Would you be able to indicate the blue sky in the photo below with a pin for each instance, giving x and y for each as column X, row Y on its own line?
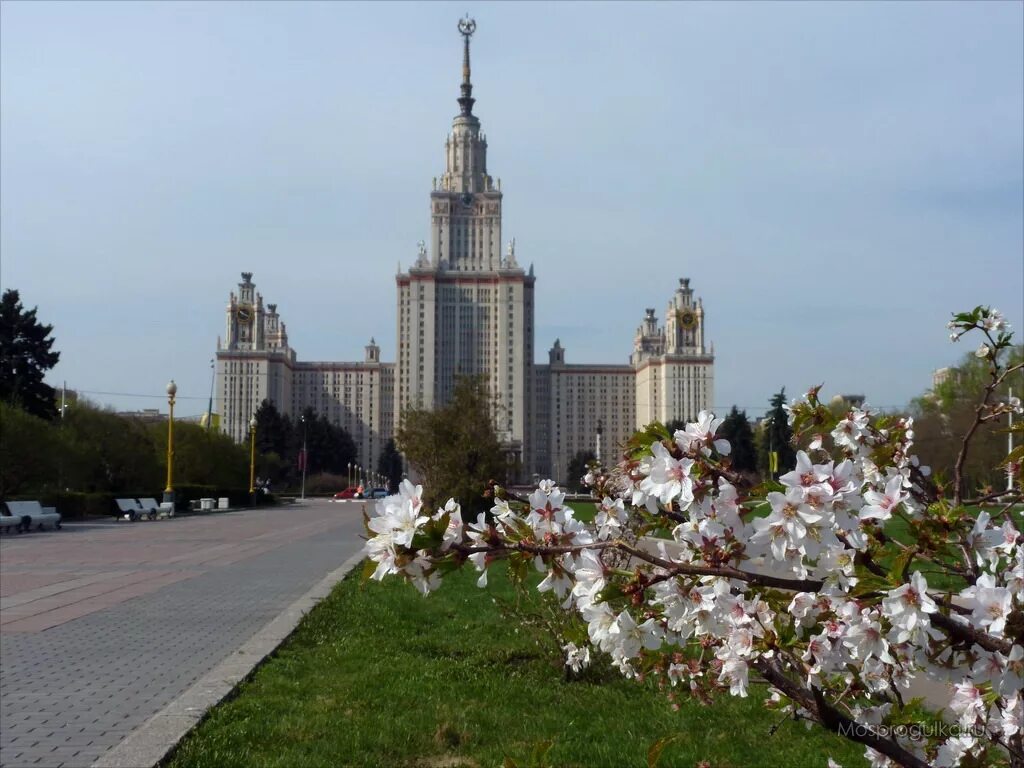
column 835, row 178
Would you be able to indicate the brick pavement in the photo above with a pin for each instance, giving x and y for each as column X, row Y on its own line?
column 102, row 625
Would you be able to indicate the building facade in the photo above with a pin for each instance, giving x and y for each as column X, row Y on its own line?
column 465, row 307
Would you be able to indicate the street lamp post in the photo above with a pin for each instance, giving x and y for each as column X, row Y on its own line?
column 209, row 409
column 252, row 458
column 305, row 458
column 63, row 413
column 349, row 473
column 172, row 390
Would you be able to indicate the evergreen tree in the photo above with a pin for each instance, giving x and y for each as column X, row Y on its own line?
column 775, row 437
column 25, row 356
column 675, row 424
column 389, row 465
column 329, row 448
column 273, row 431
column 736, row 429
column 577, row 469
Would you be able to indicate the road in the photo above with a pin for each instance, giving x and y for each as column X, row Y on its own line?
column 103, row 624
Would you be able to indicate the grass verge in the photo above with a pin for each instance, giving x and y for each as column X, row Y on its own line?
column 377, row 675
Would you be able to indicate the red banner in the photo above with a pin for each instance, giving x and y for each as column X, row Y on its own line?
column 302, row 460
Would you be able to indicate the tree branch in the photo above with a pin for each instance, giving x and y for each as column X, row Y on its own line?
column 967, row 632
column 678, row 569
column 831, row 718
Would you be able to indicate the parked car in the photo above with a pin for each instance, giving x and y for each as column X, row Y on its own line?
column 378, row 493
column 349, row 493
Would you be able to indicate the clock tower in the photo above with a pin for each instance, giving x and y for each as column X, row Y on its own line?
column 253, row 359
column 675, row 372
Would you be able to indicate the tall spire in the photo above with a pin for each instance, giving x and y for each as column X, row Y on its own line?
column 466, row 27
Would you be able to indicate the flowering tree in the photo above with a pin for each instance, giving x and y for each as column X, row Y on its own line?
column 850, row 580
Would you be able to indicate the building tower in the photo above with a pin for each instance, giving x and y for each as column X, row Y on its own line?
column 674, row 368
column 254, row 361
column 463, row 307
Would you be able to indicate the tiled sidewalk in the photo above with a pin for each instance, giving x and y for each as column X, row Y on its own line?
column 102, row 625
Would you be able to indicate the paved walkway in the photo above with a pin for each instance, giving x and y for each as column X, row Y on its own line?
column 102, row 625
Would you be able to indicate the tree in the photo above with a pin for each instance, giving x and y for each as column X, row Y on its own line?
column 389, row 465
column 675, row 424
column 25, row 356
column 329, row 448
column 577, row 469
column 273, row 430
column 455, row 449
column 30, row 450
column 775, row 437
column 736, row 429
column 858, row 581
column 110, row 453
column 274, row 441
column 950, row 407
column 202, row 457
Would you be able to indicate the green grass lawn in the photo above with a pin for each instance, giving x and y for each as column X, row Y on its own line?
column 380, row 676
column 585, row 510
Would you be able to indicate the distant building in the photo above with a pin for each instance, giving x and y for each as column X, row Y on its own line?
column 148, row 415
column 853, row 401
column 465, row 308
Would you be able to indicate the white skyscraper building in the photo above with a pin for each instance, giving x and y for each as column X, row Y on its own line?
column 466, row 307
column 463, row 307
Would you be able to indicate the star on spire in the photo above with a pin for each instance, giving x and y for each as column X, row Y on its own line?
column 466, row 28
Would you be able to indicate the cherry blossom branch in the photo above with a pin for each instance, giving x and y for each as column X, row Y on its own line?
column 992, row 497
column 997, row 379
column 674, row 568
column 831, row 718
column 951, row 626
column 967, row 632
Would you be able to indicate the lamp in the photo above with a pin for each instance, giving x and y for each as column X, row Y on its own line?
column 172, row 390
column 252, row 456
column 305, row 457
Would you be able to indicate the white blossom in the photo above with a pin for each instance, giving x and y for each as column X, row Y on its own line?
column 576, row 659
column 669, row 479
column 967, row 703
column 700, row 436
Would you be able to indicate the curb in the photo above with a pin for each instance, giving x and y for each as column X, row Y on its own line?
column 152, row 741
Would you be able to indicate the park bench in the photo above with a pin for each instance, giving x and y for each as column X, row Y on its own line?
column 9, row 521
column 149, row 506
column 160, row 509
column 33, row 514
column 131, row 509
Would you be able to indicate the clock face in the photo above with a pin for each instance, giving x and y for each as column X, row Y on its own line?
column 687, row 319
column 243, row 315
column 467, row 199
